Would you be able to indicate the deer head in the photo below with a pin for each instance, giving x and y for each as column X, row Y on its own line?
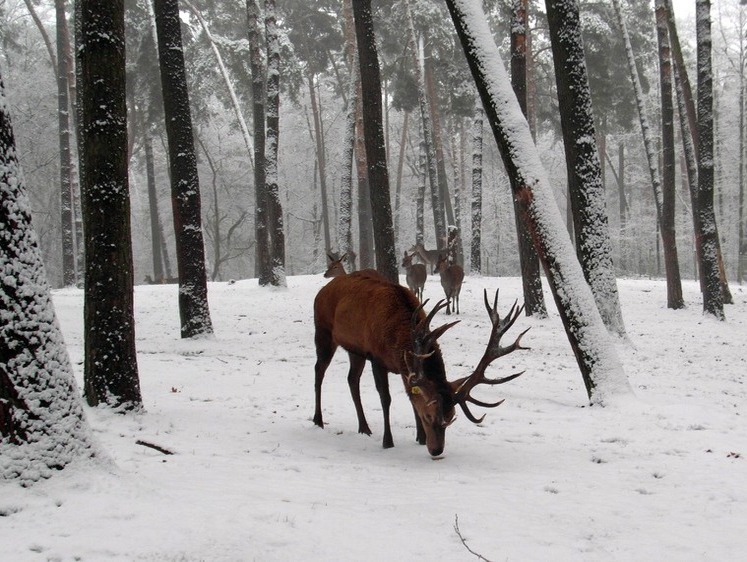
column 335, row 268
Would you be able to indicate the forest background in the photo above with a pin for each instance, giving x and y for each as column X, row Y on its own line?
column 314, row 80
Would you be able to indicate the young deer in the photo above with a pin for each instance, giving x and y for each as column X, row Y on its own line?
column 416, row 274
column 452, row 277
column 383, row 322
column 430, row 257
column 335, row 268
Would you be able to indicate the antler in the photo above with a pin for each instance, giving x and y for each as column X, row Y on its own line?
column 423, row 339
column 464, row 386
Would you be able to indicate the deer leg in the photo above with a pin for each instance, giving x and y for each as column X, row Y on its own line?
column 357, row 363
column 325, row 350
column 381, row 377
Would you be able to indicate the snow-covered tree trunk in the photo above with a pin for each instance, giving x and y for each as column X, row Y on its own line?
column 275, row 226
column 321, row 156
column 42, row 425
column 110, row 369
column 420, row 196
column 713, row 302
column 476, row 203
column 534, row 300
column 381, row 210
column 257, row 66
column 648, row 140
column 345, row 216
column 600, row 366
column 155, row 222
column 668, row 233
column 439, row 221
column 185, row 184
column 69, row 276
column 590, row 220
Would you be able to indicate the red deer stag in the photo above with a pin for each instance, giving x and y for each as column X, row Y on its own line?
column 452, row 277
column 374, row 319
column 415, row 274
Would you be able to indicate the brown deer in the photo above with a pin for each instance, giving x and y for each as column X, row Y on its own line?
column 452, row 277
column 335, row 267
column 383, row 322
column 415, row 274
column 430, row 257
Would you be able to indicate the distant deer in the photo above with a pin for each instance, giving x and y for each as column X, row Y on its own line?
column 415, row 274
column 335, row 268
column 452, row 277
column 430, row 257
column 374, row 319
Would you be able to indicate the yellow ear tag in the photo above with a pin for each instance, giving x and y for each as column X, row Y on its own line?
column 415, row 390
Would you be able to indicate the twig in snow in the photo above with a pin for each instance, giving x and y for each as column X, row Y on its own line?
column 152, row 446
column 464, row 541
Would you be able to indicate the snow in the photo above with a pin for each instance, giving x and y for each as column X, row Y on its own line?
column 659, row 475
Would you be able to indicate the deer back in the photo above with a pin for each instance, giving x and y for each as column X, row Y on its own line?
column 452, row 276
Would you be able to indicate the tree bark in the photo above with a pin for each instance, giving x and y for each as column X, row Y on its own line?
column 668, row 233
column 275, row 226
column 534, row 300
column 593, row 245
column 592, row 346
column 110, row 360
column 185, row 186
column 713, row 300
column 476, row 205
column 42, row 425
column 386, row 262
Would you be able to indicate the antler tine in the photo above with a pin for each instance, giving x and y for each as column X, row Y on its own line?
column 463, row 387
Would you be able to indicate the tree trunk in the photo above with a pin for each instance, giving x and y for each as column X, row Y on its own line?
column 534, row 300
column 320, row 158
column 593, row 245
column 713, row 301
column 185, row 186
column 63, row 120
column 476, row 206
column 597, row 359
column 257, row 64
column 42, row 425
column 155, row 223
column 439, row 223
column 275, row 227
column 668, row 234
column 400, row 172
column 345, row 218
column 110, row 360
column 386, row 261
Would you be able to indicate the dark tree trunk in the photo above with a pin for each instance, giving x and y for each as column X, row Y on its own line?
column 668, row 234
column 713, row 301
column 262, row 265
column 420, row 196
column 593, row 245
column 476, row 206
column 155, row 222
column 185, row 186
column 400, row 172
column 600, row 368
column 321, row 158
column 110, row 364
column 386, row 262
column 534, row 300
column 42, row 426
column 63, row 117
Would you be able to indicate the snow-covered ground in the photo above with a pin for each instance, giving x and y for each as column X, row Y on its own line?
column 545, row 477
